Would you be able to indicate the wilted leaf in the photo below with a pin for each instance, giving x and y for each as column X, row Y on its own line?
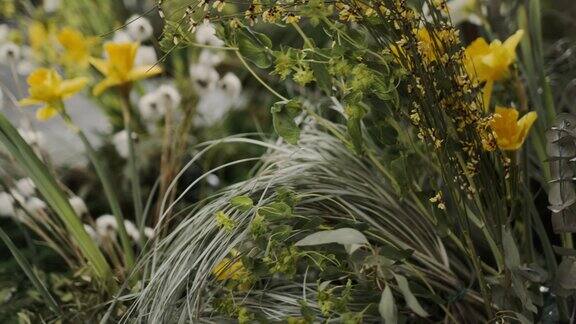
column 349, row 237
column 409, row 297
column 511, row 254
column 387, row 307
column 566, row 276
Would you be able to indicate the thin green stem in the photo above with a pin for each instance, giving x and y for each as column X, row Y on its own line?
column 111, row 196
column 258, row 78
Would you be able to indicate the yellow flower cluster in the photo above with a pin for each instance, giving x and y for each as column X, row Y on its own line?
column 490, row 63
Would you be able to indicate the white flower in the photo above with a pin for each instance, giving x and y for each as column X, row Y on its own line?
column 155, row 104
column 106, row 226
column 132, row 230
column 26, row 187
column 51, row 6
column 210, row 58
column 121, row 36
column 91, row 232
column 206, row 35
column 169, row 96
column 212, row 107
column 213, row 180
column 231, row 85
column 151, row 106
column 139, row 28
column 6, row 205
column 120, row 141
column 78, row 205
column 149, row 232
column 26, row 64
column 146, row 55
column 10, row 53
column 35, row 205
column 33, row 138
column 4, row 33
column 460, row 11
column 204, row 78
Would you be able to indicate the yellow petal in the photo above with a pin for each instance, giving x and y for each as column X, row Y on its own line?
column 70, row 87
column 143, row 72
column 100, row 65
column 121, row 57
column 524, row 125
column 38, row 76
column 46, row 113
column 29, row 102
column 512, row 42
column 103, row 85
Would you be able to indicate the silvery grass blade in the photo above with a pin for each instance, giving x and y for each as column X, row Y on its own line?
column 29, row 271
column 52, row 193
column 334, row 184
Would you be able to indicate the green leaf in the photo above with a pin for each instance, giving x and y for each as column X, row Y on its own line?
column 283, row 115
column 409, row 297
column 275, row 210
column 254, row 52
column 387, row 307
column 355, row 113
column 243, row 203
column 323, row 78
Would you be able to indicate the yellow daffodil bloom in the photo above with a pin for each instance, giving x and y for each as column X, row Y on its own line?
column 229, row 269
column 77, row 47
column 47, row 87
column 510, row 132
column 491, row 62
column 119, row 67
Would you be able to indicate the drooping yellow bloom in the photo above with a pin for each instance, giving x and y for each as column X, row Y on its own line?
column 510, row 132
column 77, row 47
column 119, row 67
column 229, row 269
column 47, row 87
column 491, row 62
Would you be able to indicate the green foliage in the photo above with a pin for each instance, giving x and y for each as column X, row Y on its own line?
column 283, row 114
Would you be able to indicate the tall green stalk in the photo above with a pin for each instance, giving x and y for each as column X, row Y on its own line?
column 56, row 199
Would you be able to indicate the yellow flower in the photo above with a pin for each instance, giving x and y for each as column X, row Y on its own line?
column 47, row 87
column 510, row 132
column 491, row 62
column 77, row 47
column 41, row 39
column 228, row 269
column 119, row 67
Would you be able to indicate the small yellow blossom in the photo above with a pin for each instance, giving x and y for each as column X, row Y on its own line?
column 77, row 47
column 42, row 38
column 510, row 132
column 119, row 67
column 491, row 62
column 229, row 269
column 47, row 87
